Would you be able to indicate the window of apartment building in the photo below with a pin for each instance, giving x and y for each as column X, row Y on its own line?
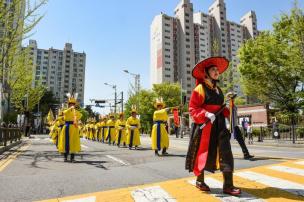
column 223, row 29
column 188, row 78
column 187, row 33
column 187, row 46
column 187, row 21
column 187, row 59
column 188, row 72
column 188, row 40
column 188, row 52
column 167, row 56
column 167, row 43
column 167, row 31
column 187, row 27
column 189, row 85
column 167, row 76
column 167, row 69
column 188, row 65
column 167, row 37
column 203, row 51
column 167, row 63
column 187, row 14
column 166, row 49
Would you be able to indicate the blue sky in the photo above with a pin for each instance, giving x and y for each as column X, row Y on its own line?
column 115, row 34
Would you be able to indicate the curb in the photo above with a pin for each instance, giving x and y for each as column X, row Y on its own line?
column 6, row 148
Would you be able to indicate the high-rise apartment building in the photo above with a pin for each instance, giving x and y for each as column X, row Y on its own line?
column 179, row 42
column 60, row 70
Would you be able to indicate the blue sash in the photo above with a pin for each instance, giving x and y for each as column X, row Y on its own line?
column 158, row 133
column 67, row 136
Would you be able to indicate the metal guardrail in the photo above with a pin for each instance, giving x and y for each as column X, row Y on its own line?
column 286, row 133
column 9, row 135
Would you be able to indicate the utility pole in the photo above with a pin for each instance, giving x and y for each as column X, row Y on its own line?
column 122, row 101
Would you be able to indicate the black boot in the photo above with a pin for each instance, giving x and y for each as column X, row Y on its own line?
column 248, row 156
column 156, row 153
column 228, row 187
column 164, row 152
column 65, row 157
column 72, row 158
column 200, row 183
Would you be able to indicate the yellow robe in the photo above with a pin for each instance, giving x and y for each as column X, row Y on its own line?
column 102, row 131
column 69, row 140
column 160, row 117
column 121, row 135
column 111, row 132
column 131, row 121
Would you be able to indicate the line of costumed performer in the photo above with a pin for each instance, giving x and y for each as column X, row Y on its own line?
column 69, row 140
column 209, row 147
column 159, row 134
column 111, row 132
column 121, row 135
column 133, row 126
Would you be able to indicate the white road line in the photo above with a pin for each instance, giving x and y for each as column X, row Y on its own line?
column 217, row 191
column 82, row 145
column 291, row 187
column 152, row 194
column 285, row 169
column 87, row 199
column 300, row 162
column 118, row 160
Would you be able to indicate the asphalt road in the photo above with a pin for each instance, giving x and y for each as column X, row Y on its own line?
column 39, row 172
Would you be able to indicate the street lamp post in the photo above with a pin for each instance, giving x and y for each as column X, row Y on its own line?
column 115, row 95
column 136, row 86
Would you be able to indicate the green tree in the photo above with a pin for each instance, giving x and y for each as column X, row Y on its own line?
column 48, row 99
column 17, row 19
column 146, row 109
column 170, row 92
column 271, row 65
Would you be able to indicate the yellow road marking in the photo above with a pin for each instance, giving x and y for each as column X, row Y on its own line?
column 10, row 158
column 181, row 190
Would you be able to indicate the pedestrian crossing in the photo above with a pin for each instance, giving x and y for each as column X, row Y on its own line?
column 279, row 182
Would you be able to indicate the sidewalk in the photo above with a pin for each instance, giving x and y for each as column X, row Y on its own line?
column 273, row 143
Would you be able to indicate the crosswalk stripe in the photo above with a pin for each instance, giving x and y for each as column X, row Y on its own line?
column 87, row 199
column 294, row 188
column 286, row 169
column 82, row 145
column 217, row 191
column 300, row 162
column 118, row 160
column 151, row 194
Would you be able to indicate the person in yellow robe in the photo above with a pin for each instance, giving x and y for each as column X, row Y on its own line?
column 121, row 137
column 69, row 140
column 159, row 135
column 98, row 128
column 87, row 129
column 133, row 126
column 57, row 127
column 111, row 132
column 103, row 126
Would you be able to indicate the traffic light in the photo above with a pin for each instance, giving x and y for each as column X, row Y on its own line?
column 100, row 101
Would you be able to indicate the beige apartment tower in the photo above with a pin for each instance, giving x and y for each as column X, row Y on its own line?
column 60, row 71
column 179, row 42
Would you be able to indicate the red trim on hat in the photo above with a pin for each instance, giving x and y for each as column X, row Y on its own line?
column 198, row 71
